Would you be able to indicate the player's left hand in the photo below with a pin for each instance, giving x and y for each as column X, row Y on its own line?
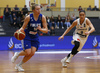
column 87, row 33
column 39, row 27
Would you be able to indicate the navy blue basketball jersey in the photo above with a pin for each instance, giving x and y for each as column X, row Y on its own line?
column 31, row 30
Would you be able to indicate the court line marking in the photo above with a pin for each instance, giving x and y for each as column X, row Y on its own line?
column 62, row 52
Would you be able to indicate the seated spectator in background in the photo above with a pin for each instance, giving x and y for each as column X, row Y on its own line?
column 7, row 14
column 67, row 22
column 95, row 8
column 68, row 15
column 27, row 14
column 14, row 13
column 48, row 22
column 25, row 9
column 7, row 7
column 80, row 8
column 22, row 20
column 52, row 22
column 52, row 31
column 73, row 17
column 14, row 23
column 89, row 8
column 21, row 14
column 59, row 21
column 48, row 9
column 16, row 8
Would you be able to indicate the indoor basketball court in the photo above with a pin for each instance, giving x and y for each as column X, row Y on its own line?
column 87, row 61
column 45, row 35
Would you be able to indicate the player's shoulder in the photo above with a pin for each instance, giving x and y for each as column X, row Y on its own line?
column 27, row 17
column 43, row 17
column 75, row 22
column 87, row 20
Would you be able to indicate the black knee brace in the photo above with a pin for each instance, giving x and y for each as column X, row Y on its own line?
column 74, row 50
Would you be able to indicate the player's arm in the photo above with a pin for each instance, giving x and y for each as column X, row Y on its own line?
column 26, row 21
column 91, row 26
column 44, row 23
column 67, row 30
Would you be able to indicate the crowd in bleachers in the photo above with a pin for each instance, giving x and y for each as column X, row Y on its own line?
column 89, row 8
column 16, row 16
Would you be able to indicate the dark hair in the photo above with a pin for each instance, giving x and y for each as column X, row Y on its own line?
column 82, row 11
column 33, row 6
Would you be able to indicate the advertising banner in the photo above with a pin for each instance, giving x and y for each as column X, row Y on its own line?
column 49, row 42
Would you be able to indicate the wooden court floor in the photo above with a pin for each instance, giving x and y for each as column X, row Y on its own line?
column 50, row 63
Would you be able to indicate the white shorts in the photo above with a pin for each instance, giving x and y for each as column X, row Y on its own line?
column 82, row 40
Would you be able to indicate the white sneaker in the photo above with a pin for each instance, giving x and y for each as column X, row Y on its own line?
column 13, row 59
column 63, row 61
column 19, row 68
column 69, row 59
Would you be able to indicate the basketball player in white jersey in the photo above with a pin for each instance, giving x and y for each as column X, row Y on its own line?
column 80, row 35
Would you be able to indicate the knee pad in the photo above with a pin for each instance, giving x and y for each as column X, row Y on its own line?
column 74, row 50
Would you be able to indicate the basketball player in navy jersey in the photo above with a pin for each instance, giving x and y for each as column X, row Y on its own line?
column 79, row 37
column 33, row 22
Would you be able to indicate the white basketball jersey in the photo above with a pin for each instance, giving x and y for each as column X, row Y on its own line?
column 81, row 28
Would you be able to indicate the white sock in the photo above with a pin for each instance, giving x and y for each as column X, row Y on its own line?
column 20, row 63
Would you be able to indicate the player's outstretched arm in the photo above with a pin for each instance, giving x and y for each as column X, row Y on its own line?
column 91, row 26
column 26, row 21
column 44, row 23
column 67, row 30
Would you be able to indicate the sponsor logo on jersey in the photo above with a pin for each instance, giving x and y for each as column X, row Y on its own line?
column 35, row 24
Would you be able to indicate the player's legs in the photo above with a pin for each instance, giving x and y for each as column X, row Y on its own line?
column 26, row 45
column 73, row 52
column 18, row 66
column 29, row 55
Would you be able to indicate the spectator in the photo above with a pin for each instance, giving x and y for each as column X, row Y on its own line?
column 48, row 22
column 14, row 24
column 67, row 22
column 14, row 13
column 25, row 10
column 73, row 17
column 95, row 8
column 22, row 20
column 89, row 8
column 52, row 31
column 80, row 8
column 7, row 7
column 48, row 9
column 68, row 15
column 59, row 21
column 16, row 8
column 7, row 14
column 52, row 21
column 27, row 14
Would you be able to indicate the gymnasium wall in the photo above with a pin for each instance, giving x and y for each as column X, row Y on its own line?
column 77, row 3
column 12, row 3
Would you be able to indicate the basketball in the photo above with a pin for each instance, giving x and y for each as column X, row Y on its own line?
column 19, row 34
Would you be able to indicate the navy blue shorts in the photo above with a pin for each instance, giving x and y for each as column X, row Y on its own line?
column 27, row 44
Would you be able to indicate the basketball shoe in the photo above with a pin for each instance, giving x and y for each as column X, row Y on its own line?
column 19, row 68
column 69, row 59
column 13, row 59
column 63, row 61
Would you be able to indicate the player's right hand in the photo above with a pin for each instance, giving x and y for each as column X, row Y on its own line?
column 61, row 37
